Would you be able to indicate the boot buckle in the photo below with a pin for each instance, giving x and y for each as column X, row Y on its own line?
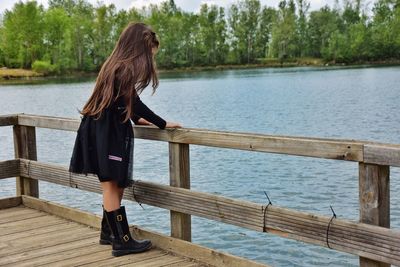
column 119, row 218
column 125, row 238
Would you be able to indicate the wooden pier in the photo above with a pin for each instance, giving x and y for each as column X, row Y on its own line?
column 30, row 236
column 371, row 238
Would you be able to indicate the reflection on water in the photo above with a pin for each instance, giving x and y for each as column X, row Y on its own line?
column 346, row 103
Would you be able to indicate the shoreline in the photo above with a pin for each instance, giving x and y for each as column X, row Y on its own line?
column 18, row 75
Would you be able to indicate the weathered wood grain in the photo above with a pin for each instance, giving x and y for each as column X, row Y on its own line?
column 373, row 242
column 56, row 249
column 25, row 147
column 9, row 168
column 83, row 217
column 353, row 150
column 374, row 198
column 179, row 175
column 187, row 249
column 57, row 123
column 382, row 154
column 10, row 202
column 8, row 120
column 300, row 146
column 138, row 258
column 177, row 246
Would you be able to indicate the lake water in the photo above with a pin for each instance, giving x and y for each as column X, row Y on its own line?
column 361, row 103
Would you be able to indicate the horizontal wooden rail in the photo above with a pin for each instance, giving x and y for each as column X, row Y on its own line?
column 9, row 168
column 299, row 146
column 360, row 239
column 8, row 120
column 382, row 154
column 351, row 150
column 57, row 123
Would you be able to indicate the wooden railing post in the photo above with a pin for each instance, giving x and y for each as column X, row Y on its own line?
column 25, row 147
column 374, row 197
column 179, row 170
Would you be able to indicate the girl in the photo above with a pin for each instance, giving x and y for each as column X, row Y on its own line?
column 104, row 140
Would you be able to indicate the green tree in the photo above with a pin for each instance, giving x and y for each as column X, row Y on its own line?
column 303, row 33
column 74, row 35
column 79, row 41
column 383, row 30
column 221, row 32
column 284, row 34
column 81, row 37
column 268, row 17
column 166, row 20
column 103, row 33
column 190, row 40
column 22, row 34
column 212, row 34
column 244, row 22
column 395, row 25
column 56, row 28
column 321, row 25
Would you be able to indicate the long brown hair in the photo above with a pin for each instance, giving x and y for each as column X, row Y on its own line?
column 132, row 64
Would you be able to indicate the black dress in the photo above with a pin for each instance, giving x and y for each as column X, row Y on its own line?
column 104, row 146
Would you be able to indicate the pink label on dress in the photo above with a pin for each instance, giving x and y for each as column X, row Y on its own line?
column 114, row 158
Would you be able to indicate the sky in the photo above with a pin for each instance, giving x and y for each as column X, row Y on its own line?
column 187, row 5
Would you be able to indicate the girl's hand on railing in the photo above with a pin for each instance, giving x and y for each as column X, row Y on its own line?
column 173, row 125
column 142, row 121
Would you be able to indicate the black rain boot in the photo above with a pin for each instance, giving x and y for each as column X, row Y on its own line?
column 123, row 243
column 106, row 236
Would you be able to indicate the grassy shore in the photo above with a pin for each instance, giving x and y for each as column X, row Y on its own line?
column 7, row 74
column 23, row 74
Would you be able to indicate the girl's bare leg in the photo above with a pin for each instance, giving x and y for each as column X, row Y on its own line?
column 111, row 195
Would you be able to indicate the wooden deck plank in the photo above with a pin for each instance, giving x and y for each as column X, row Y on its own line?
column 33, row 223
column 159, row 261
column 171, row 262
column 16, row 211
column 48, row 240
column 38, row 231
column 187, row 264
column 43, row 252
column 180, row 247
column 59, row 258
column 21, row 216
column 115, row 261
column 83, row 258
column 31, row 243
column 44, row 238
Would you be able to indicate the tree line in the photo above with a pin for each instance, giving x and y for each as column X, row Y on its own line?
column 75, row 35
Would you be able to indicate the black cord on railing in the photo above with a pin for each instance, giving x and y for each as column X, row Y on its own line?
column 132, row 184
column 73, row 185
column 265, row 212
column 329, row 226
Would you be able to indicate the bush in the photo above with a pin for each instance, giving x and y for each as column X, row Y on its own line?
column 44, row 67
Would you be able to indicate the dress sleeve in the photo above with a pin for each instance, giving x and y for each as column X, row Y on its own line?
column 135, row 118
column 142, row 111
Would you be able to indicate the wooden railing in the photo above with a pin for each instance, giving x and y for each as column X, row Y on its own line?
column 371, row 238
